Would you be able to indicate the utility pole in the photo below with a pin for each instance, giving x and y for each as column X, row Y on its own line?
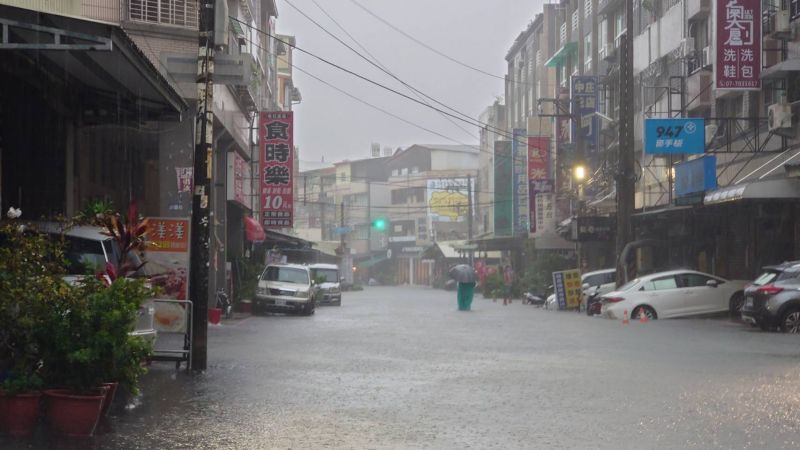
column 203, row 168
column 322, row 207
column 469, row 219
column 626, row 183
column 369, row 218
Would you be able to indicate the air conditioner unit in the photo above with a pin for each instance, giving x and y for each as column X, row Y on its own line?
column 711, row 132
column 706, row 57
column 782, row 28
column 688, row 46
column 609, row 51
column 779, row 117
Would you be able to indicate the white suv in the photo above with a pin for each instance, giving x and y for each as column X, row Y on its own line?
column 286, row 288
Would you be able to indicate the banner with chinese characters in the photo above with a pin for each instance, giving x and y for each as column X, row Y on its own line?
column 503, row 196
column 519, row 181
column 584, row 94
column 238, row 180
column 184, row 176
column 538, row 172
column 276, row 144
column 738, row 63
column 543, row 207
column 167, row 256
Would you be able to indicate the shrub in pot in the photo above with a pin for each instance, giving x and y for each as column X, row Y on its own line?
column 31, row 267
column 89, row 343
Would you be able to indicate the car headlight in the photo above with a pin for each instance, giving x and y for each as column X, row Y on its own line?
column 302, row 294
column 261, row 290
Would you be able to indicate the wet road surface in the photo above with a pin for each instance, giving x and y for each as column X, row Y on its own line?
column 398, row 368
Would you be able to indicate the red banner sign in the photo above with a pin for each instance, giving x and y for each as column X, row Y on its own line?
column 538, row 172
column 276, row 143
column 738, row 63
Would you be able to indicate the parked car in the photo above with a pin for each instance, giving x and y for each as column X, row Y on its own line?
column 596, row 284
column 328, row 280
column 286, row 288
column 773, row 299
column 676, row 293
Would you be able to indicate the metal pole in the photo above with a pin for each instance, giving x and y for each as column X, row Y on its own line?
column 203, row 167
column 469, row 219
column 626, row 182
column 369, row 217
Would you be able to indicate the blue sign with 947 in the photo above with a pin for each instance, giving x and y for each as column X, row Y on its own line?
column 674, row 136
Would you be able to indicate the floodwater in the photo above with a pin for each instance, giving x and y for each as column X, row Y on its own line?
column 397, row 368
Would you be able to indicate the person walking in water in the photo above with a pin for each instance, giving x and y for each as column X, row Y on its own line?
column 508, row 282
column 465, row 276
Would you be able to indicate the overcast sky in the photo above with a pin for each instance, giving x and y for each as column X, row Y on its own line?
column 476, row 32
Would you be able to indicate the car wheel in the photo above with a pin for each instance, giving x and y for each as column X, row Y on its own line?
column 736, row 303
column 790, row 321
column 649, row 312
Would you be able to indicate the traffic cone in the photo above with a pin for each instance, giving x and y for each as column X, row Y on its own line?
column 625, row 320
column 643, row 317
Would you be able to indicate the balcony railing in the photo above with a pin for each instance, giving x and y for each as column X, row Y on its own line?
column 181, row 13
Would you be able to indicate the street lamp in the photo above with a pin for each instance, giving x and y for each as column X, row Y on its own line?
column 579, row 172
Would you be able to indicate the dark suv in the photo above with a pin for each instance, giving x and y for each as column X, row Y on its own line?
column 773, row 299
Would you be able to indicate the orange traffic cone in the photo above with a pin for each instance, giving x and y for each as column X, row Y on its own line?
column 625, row 320
column 643, row 317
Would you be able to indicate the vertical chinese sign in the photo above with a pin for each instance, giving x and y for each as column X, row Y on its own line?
column 168, row 256
column 540, row 186
column 276, row 144
column 584, row 105
column 738, row 63
column 503, row 197
column 519, row 181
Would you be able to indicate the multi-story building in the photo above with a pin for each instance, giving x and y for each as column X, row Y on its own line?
column 431, row 187
column 494, row 120
column 315, row 208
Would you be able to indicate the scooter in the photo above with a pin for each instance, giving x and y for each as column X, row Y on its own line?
column 532, row 299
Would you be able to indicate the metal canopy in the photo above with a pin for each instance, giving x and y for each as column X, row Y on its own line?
column 784, row 188
column 562, row 54
column 95, row 58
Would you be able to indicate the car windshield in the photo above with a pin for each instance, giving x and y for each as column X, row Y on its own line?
column 85, row 256
column 326, row 275
column 285, row 275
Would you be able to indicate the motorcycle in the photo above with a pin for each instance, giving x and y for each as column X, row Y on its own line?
column 532, row 299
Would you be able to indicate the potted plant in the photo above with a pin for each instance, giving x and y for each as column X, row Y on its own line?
column 30, row 277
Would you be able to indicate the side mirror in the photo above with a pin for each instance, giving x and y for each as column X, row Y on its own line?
column 585, row 286
column 712, row 283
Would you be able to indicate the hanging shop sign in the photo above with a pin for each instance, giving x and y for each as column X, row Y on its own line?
column 448, row 199
column 238, row 179
column 503, row 197
column 738, row 58
column 696, row 176
column 674, row 136
column 167, row 256
column 584, row 94
column 519, row 182
column 276, row 144
column 595, row 228
column 540, row 186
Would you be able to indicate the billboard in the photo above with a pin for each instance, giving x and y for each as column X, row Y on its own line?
column 738, row 58
column 167, row 256
column 674, row 136
column 448, row 199
column 519, row 181
column 276, row 177
column 503, row 197
column 695, row 176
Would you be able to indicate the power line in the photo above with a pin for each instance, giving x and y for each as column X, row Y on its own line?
column 473, row 122
column 469, row 121
column 417, row 41
column 377, row 63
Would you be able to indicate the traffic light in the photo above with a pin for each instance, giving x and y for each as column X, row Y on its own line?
column 379, row 224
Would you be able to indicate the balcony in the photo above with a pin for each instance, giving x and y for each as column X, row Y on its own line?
column 698, row 9
column 606, row 6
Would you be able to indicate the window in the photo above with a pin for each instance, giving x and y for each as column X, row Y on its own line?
column 688, row 280
column 182, row 13
column 659, row 284
column 286, row 275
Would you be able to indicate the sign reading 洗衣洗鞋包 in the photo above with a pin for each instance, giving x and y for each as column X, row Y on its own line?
column 738, row 58
column 674, row 136
column 276, row 144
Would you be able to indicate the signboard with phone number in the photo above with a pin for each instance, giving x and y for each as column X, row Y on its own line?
column 674, row 136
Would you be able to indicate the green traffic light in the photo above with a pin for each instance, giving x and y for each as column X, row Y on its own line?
column 379, row 224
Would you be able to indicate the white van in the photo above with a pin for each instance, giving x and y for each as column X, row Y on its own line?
column 286, row 288
column 329, row 283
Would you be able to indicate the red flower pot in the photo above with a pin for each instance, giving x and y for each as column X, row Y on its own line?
column 73, row 414
column 112, row 392
column 19, row 413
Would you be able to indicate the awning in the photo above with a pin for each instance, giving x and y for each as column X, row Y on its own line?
column 253, row 230
column 561, row 55
column 782, row 188
column 107, row 65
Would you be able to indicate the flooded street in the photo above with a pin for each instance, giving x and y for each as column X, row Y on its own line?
column 401, row 368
